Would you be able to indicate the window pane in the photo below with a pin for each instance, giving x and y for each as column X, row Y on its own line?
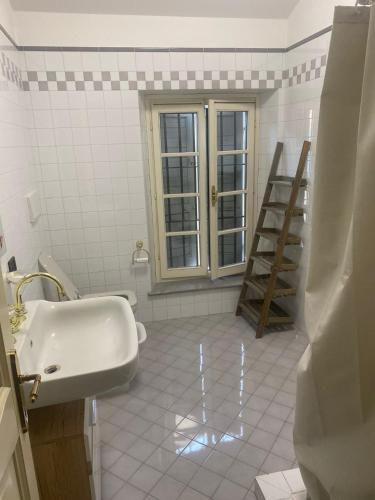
column 178, row 132
column 180, row 175
column 231, row 130
column 231, row 211
column 232, row 248
column 182, row 251
column 181, row 214
column 231, row 172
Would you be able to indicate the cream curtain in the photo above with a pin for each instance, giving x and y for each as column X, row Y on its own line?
column 334, row 432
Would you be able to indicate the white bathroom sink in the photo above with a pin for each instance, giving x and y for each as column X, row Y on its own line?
column 92, row 342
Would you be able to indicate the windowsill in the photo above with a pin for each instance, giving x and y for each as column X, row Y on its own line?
column 195, row 285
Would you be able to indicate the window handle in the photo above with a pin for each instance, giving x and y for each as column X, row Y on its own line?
column 213, row 196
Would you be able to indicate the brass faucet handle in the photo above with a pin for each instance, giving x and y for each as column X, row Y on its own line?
column 34, row 393
column 15, row 318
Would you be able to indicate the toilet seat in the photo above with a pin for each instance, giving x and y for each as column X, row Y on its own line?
column 49, row 265
column 127, row 294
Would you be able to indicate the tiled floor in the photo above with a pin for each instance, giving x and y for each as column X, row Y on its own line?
column 210, row 408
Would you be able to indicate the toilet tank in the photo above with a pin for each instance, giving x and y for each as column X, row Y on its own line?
column 48, row 264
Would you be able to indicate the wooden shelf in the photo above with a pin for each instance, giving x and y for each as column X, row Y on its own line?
column 273, row 234
column 260, row 282
column 284, row 180
column 281, row 208
column 276, row 315
column 264, row 311
column 267, row 260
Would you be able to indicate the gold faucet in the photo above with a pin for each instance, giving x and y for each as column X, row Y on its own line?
column 18, row 309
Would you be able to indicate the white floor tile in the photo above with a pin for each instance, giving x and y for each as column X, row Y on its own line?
column 209, row 409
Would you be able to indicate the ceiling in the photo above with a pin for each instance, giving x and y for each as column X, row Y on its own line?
column 271, row 9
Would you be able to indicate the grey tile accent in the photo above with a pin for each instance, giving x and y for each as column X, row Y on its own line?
column 88, row 76
column 61, row 86
column 43, row 86
column 80, row 85
column 70, row 80
column 51, row 76
column 32, row 76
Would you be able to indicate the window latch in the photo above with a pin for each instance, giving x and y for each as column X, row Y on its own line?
column 213, row 196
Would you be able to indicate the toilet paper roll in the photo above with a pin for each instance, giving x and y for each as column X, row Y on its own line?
column 141, row 260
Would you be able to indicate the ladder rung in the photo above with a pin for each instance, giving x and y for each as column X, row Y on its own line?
column 276, row 315
column 281, row 208
column 284, row 180
column 260, row 282
column 267, row 259
column 273, row 234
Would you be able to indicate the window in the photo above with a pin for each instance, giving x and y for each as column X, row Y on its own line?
column 203, row 183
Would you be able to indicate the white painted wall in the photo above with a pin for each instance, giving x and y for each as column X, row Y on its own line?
column 310, row 16
column 6, row 17
column 17, row 172
column 147, row 31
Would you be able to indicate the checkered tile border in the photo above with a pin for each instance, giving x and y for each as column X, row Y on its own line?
column 10, row 71
column 161, row 80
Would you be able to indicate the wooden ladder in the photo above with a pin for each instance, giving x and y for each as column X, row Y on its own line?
column 264, row 311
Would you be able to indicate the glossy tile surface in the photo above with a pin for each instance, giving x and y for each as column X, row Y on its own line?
column 210, row 409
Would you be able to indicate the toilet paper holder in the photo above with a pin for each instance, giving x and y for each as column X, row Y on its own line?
column 137, row 257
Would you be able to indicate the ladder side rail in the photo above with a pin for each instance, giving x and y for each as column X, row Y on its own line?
column 291, row 204
column 261, row 217
column 263, row 320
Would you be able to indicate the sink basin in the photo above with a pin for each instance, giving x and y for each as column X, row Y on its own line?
column 80, row 348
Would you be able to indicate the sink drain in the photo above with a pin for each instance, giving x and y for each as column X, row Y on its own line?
column 51, row 369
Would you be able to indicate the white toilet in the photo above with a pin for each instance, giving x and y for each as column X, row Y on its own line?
column 49, row 265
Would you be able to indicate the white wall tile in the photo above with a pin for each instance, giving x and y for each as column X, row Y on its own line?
column 88, row 146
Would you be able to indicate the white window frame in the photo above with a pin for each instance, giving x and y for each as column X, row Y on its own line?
column 151, row 100
column 201, row 233
column 213, row 108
